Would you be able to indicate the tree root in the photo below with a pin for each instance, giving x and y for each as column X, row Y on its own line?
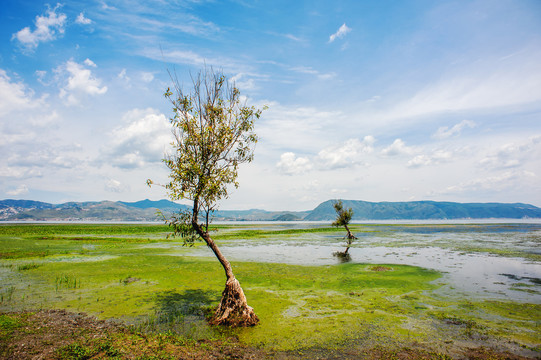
column 233, row 309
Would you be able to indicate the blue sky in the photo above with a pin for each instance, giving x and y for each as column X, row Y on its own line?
column 368, row 100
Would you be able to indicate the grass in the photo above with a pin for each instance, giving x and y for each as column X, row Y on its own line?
column 133, row 274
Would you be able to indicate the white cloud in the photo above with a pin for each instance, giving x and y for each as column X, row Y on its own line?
column 445, row 132
column 310, row 71
column 41, row 75
column 90, row 63
column 46, row 156
column 373, row 99
column 104, row 6
column 15, row 96
column 122, row 75
column 349, row 154
column 436, row 158
column 17, row 172
column 513, row 154
column 483, row 85
column 398, row 147
column 20, row 190
column 289, row 164
column 147, row 77
column 279, row 127
column 142, row 139
column 501, row 182
column 80, row 81
column 82, row 20
column 113, row 185
column 293, row 37
column 228, row 64
column 340, row 33
column 242, row 81
column 47, row 28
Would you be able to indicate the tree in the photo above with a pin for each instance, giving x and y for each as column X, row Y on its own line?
column 213, row 134
column 343, row 217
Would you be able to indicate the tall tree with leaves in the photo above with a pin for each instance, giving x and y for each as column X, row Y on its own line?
column 213, row 134
column 343, row 217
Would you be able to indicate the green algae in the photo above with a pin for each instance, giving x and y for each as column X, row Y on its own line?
column 134, row 278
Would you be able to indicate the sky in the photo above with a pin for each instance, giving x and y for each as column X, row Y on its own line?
column 367, row 100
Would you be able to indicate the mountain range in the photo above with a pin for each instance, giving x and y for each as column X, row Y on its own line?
column 145, row 210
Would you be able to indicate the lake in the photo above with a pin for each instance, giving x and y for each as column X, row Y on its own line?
column 486, row 259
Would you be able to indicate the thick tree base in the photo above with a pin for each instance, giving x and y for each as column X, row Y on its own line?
column 233, row 309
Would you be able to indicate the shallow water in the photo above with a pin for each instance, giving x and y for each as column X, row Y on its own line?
column 482, row 272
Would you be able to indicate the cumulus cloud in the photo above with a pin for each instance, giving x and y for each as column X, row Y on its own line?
column 15, row 96
column 79, row 81
column 82, row 20
column 142, row 139
column 445, row 132
column 421, row 156
column 436, row 158
column 349, row 154
column 340, row 33
column 113, row 185
column 513, row 154
column 290, row 164
column 48, row 27
column 398, row 147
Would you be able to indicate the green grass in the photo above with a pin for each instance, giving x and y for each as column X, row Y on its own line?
column 8, row 324
column 130, row 272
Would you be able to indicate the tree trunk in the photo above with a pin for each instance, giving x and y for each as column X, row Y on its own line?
column 233, row 309
column 350, row 236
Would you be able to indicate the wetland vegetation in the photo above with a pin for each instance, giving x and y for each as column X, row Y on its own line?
column 410, row 291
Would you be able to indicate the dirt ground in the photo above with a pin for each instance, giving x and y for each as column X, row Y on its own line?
column 59, row 334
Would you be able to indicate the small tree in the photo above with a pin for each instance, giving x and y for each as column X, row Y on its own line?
column 213, row 134
column 343, row 217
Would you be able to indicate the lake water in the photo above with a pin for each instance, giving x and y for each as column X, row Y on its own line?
column 487, row 260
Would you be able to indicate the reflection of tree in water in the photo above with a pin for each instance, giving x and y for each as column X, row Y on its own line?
column 184, row 312
column 343, row 217
column 343, row 256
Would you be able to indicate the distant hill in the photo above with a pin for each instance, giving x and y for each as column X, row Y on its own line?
column 164, row 205
column 145, row 210
column 422, row 210
column 13, row 210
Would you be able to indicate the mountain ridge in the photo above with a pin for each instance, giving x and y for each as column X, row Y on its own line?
column 145, row 210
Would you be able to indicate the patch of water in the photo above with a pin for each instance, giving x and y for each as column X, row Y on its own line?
column 479, row 274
